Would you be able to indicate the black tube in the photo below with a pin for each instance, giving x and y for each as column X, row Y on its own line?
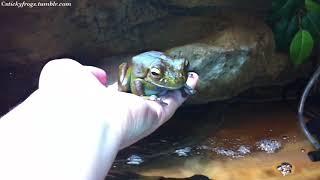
column 305, row 95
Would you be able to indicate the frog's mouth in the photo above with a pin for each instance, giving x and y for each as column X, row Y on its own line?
column 166, row 87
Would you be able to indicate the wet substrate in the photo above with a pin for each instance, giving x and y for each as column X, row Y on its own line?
column 220, row 141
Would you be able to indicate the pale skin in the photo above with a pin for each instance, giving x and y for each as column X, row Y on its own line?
column 72, row 126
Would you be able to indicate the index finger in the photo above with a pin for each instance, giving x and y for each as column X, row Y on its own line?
column 176, row 97
column 173, row 99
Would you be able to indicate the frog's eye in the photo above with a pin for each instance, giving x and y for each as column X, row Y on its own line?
column 155, row 72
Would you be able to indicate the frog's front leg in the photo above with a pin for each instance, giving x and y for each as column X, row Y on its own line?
column 124, row 77
column 138, row 89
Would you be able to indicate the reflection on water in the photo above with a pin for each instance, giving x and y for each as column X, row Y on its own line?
column 269, row 146
column 285, row 168
column 237, row 141
column 188, row 126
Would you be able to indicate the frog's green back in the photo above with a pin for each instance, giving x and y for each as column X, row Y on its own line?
column 172, row 71
column 148, row 58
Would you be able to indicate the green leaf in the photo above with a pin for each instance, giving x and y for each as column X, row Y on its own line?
column 275, row 6
column 312, row 6
column 284, row 32
column 292, row 29
column 279, row 33
column 311, row 22
column 301, row 47
column 285, row 8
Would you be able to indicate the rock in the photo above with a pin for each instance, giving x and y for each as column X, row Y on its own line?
column 239, row 57
column 220, row 3
column 87, row 29
column 91, row 30
column 233, row 52
column 232, row 4
column 119, row 175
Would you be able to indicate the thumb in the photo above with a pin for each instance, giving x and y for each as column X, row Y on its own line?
column 67, row 74
column 100, row 74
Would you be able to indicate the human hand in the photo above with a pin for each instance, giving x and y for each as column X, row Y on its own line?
column 72, row 126
column 145, row 116
column 134, row 117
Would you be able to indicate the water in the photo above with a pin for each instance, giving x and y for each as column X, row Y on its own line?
column 251, row 143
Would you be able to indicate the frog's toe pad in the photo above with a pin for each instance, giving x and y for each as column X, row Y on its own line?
column 153, row 98
column 157, row 99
